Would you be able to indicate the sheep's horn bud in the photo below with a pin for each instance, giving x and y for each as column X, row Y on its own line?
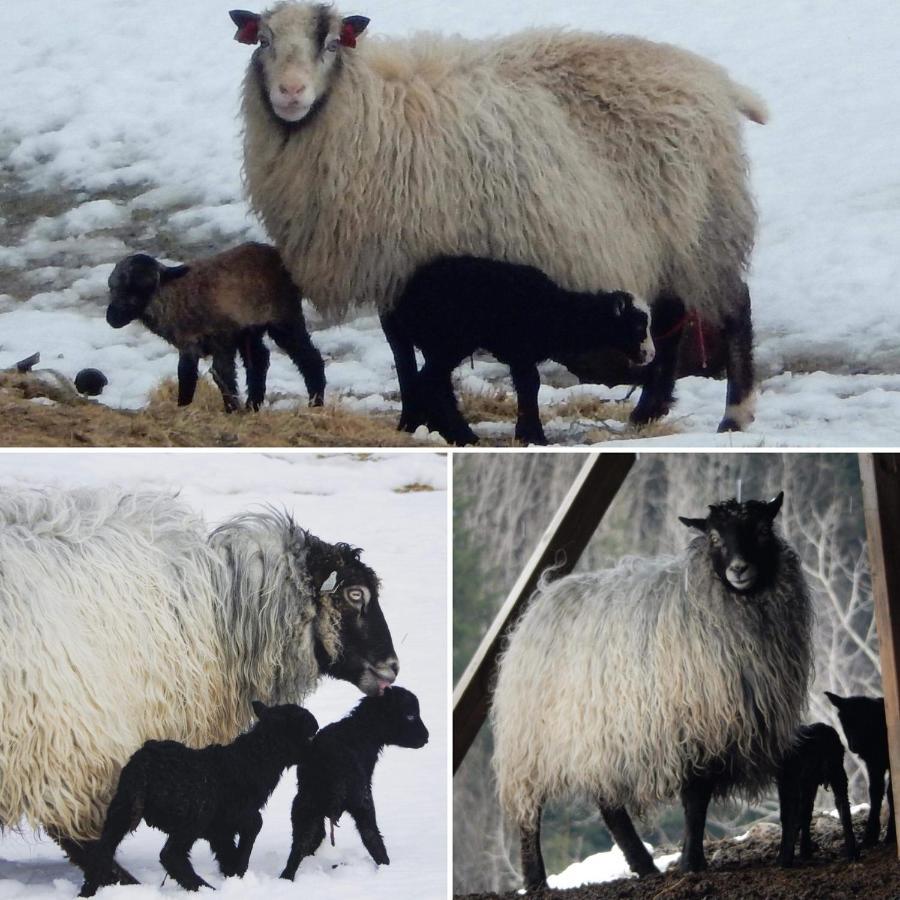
column 330, row 583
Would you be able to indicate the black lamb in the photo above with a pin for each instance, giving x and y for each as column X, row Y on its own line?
column 865, row 728
column 454, row 306
column 335, row 776
column 214, row 793
column 817, row 759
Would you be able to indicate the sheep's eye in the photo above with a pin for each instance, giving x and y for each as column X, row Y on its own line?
column 714, row 538
column 358, row 596
column 332, row 45
column 264, row 41
column 410, row 718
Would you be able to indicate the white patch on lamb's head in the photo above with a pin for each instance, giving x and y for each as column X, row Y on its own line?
column 648, row 350
column 299, row 50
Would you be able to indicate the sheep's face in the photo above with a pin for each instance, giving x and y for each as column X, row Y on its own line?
column 296, row 724
column 742, row 544
column 405, row 726
column 365, row 654
column 299, row 49
column 132, row 284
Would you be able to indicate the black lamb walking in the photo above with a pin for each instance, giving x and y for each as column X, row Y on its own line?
column 214, row 793
column 817, row 759
column 336, row 775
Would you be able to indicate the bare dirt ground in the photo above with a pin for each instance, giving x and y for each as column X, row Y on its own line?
column 746, row 870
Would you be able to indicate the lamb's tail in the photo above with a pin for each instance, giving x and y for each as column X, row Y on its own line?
column 749, row 103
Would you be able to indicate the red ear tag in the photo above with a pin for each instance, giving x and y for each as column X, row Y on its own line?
column 248, row 33
column 348, row 36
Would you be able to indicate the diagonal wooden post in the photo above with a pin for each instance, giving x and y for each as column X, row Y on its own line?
column 881, row 496
column 562, row 544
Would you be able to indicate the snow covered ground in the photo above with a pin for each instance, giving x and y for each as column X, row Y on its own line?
column 340, row 497
column 126, row 114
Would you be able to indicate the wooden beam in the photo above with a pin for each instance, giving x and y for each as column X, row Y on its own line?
column 881, row 496
column 562, row 544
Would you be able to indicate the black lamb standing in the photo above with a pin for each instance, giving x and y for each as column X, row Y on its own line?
column 214, row 793
column 817, row 759
column 335, row 776
column 865, row 728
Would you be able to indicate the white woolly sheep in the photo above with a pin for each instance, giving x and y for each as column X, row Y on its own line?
column 601, row 160
column 219, row 306
column 662, row 676
column 123, row 622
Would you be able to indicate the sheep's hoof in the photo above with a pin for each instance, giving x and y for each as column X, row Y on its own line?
column 728, row 424
column 644, row 414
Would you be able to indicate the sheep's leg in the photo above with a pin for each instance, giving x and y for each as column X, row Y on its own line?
column 891, row 836
column 255, row 357
column 666, row 328
column 308, row 832
column 527, row 383
column 412, row 414
column 84, row 854
column 436, row 389
column 364, row 819
column 807, row 801
column 187, row 377
column 627, row 840
column 838, row 779
column 789, row 808
column 738, row 331
column 225, row 376
column 695, row 797
column 250, row 828
column 294, row 339
column 533, row 870
column 176, row 860
column 876, row 795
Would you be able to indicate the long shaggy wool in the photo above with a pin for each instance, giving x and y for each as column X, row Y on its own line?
column 121, row 623
column 616, row 684
column 608, row 162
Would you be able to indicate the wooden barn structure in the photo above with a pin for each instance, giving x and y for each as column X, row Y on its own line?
column 581, row 512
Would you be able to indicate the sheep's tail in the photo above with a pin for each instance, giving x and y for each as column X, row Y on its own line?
column 749, row 103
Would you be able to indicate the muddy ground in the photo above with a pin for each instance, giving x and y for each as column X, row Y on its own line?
column 745, row 870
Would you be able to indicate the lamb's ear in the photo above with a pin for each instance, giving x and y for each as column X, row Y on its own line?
column 699, row 524
column 619, row 305
column 836, row 701
column 247, row 26
column 351, row 28
column 259, row 708
column 774, row 505
column 170, row 273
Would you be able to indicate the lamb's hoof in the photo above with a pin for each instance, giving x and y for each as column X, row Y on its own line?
column 729, row 424
column 286, row 875
column 692, row 865
column 538, row 440
column 88, row 889
column 645, row 414
column 316, row 402
column 785, row 863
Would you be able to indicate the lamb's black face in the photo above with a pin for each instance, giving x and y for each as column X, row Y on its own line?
column 299, row 725
column 742, row 544
column 132, row 284
column 863, row 722
column 407, row 728
column 367, row 657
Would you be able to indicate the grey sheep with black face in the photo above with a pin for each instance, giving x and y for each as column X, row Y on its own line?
column 662, row 677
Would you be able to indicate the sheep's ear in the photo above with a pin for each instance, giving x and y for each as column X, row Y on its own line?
column 619, row 306
column 774, row 505
column 170, row 273
column 247, row 26
column 259, row 708
column 699, row 524
column 351, row 28
column 835, row 700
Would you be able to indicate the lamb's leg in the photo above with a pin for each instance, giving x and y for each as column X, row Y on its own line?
column 527, row 382
column 255, row 357
column 294, row 339
column 364, row 818
column 308, row 827
column 225, row 376
column 891, row 836
column 789, row 809
column 86, row 855
column 738, row 331
column 187, row 377
column 695, row 797
column 838, row 781
column 627, row 840
column 411, row 413
column 221, row 842
column 533, row 870
column 435, row 391
column 176, row 860
column 807, row 801
column 876, row 795
column 250, row 828
column 666, row 328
